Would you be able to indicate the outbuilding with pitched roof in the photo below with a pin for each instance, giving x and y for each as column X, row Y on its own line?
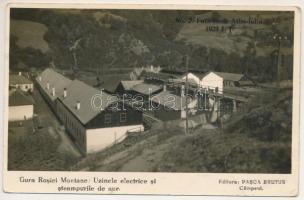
column 21, row 82
column 21, row 106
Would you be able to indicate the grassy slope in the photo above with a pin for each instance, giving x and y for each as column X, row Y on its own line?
column 127, row 39
column 30, row 34
column 48, row 148
column 196, row 34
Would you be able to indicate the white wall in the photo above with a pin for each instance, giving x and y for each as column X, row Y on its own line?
column 98, row 139
column 212, row 81
column 17, row 113
column 193, row 77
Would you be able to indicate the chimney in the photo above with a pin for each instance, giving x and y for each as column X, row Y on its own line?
column 78, row 105
column 20, row 73
column 64, row 92
column 48, row 85
column 53, row 92
column 40, row 78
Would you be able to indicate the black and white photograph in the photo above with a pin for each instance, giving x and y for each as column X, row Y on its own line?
column 150, row 90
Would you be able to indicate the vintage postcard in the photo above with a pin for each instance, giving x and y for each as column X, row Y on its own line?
column 152, row 99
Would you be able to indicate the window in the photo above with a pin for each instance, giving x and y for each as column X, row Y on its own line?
column 123, row 117
column 107, row 118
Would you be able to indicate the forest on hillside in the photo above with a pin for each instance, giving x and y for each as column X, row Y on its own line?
column 107, row 39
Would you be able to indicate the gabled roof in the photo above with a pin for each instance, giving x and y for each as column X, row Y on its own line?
column 80, row 92
column 229, row 76
column 170, row 100
column 129, row 84
column 18, row 98
column 197, row 74
column 146, row 88
column 56, row 80
column 18, row 80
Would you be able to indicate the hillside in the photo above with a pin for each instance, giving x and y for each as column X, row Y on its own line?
column 237, row 148
column 107, row 39
column 29, row 34
column 241, row 34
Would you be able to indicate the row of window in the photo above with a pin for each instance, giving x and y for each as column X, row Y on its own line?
column 108, row 118
column 71, row 125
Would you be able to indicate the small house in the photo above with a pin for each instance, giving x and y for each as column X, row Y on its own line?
column 21, row 106
column 126, row 86
column 21, row 82
column 218, row 81
column 194, row 78
column 168, row 106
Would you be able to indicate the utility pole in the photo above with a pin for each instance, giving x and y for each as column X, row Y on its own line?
column 186, row 93
column 279, row 38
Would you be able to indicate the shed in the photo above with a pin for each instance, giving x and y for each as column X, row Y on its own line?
column 21, row 82
column 21, row 106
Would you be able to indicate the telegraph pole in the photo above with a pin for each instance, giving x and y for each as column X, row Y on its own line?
column 187, row 71
column 279, row 39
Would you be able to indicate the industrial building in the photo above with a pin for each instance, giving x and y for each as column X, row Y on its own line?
column 94, row 119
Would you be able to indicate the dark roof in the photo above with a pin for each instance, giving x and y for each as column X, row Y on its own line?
column 146, row 88
column 129, row 84
column 169, row 100
column 56, row 80
column 18, row 79
column 80, row 92
column 18, row 98
column 110, row 83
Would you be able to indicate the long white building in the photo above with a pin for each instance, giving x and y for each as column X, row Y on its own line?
column 95, row 120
